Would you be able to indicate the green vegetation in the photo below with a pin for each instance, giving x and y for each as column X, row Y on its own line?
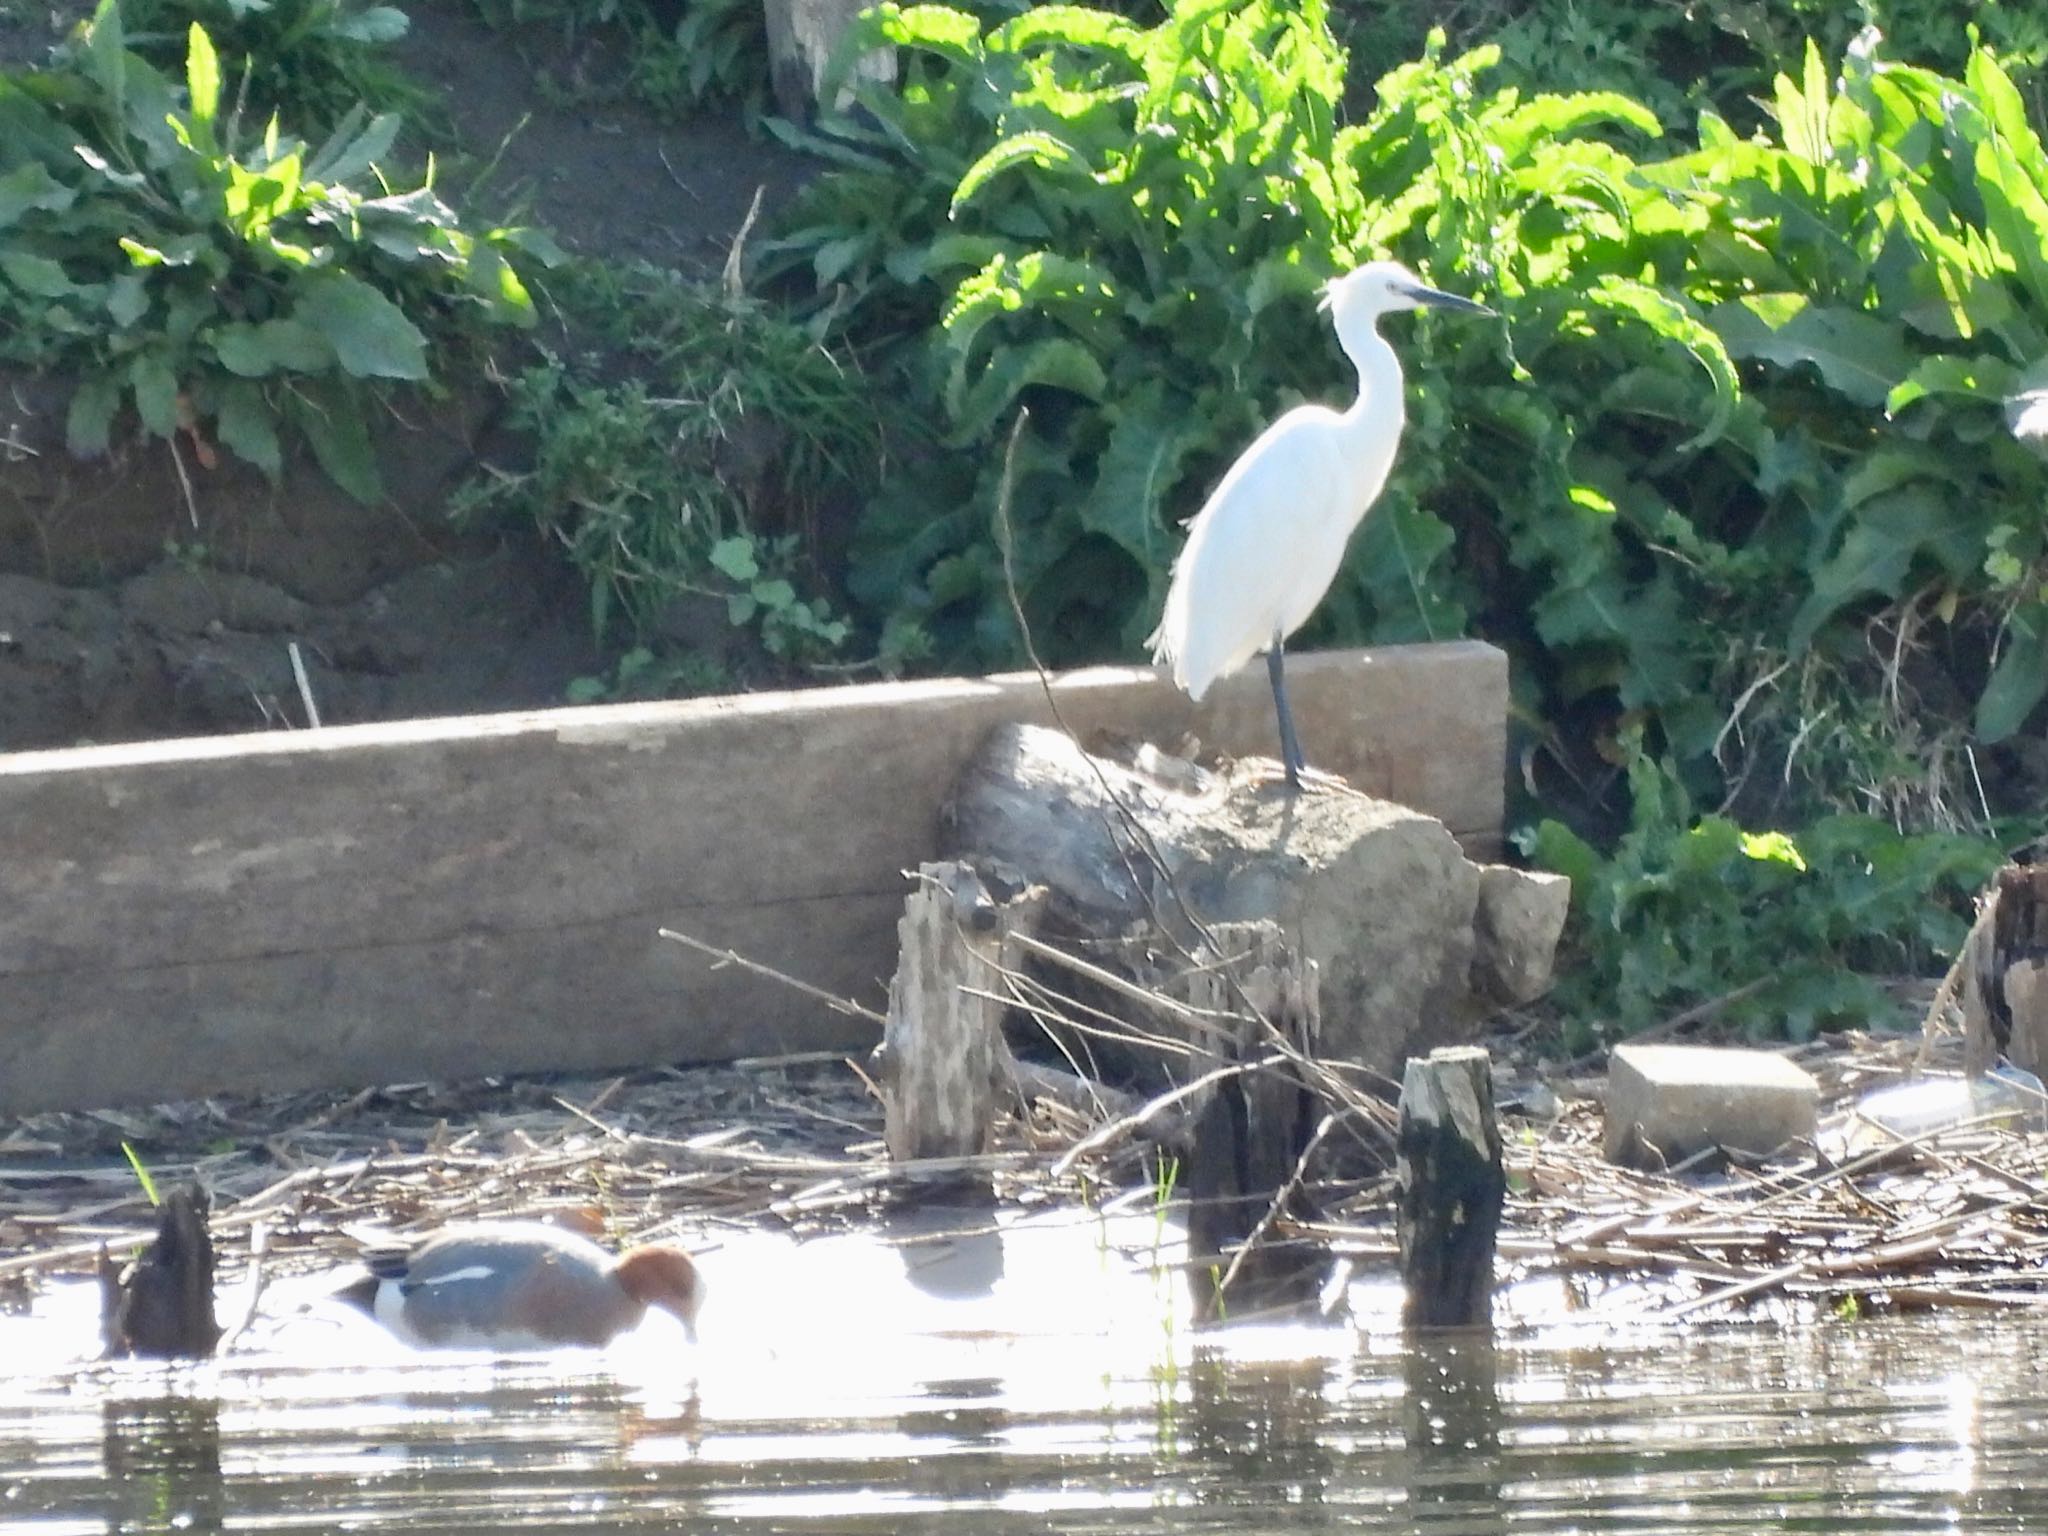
column 1722, row 55
column 1792, row 932
column 222, row 278
column 1747, row 480
column 691, row 455
column 673, row 55
column 309, row 60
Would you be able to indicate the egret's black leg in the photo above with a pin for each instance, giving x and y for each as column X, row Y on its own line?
column 1290, row 747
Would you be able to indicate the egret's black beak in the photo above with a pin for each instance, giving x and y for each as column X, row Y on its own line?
column 1436, row 298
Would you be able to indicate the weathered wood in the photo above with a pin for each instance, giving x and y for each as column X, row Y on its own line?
column 1251, row 1130
column 1451, row 1184
column 942, row 1061
column 1416, row 943
column 161, row 1306
column 467, row 896
column 2004, row 974
column 803, row 36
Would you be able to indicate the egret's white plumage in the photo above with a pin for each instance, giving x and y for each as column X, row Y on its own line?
column 1266, row 545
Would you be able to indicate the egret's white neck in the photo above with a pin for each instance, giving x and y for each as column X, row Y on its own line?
column 1380, row 397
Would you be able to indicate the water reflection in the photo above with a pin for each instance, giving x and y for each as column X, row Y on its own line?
column 162, row 1461
column 996, row 1380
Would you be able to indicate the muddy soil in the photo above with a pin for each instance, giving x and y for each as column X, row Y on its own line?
column 145, row 595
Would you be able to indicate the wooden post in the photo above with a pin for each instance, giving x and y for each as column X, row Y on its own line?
column 942, row 1057
column 2004, row 974
column 803, row 35
column 161, row 1306
column 1252, row 1129
column 1451, row 1184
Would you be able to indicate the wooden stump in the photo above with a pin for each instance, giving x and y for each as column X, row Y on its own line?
column 803, row 36
column 1252, row 1130
column 941, row 1064
column 161, row 1306
column 1451, row 1185
column 2004, row 974
column 1414, row 943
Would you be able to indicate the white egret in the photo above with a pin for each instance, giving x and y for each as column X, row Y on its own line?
column 1266, row 545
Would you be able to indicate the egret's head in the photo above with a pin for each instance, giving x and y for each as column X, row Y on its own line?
column 1358, row 298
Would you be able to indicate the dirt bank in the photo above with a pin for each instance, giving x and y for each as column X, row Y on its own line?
column 145, row 595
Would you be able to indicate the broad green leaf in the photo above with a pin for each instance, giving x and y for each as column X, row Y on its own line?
column 342, row 160
column 340, row 438
column 935, row 28
column 1675, row 320
column 537, row 243
column 1071, row 26
column 1977, row 378
column 2020, row 680
column 1887, row 534
column 1859, row 356
column 1054, row 361
column 90, row 420
column 734, row 557
column 202, row 86
column 30, row 188
column 106, row 56
column 256, row 351
column 127, row 299
column 248, row 426
column 1399, row 552
column 1773, row 848
column 1139, row 466
column 492, row 278
column 156, row 394
column 36, row 275
column 371, row 337
column 1036, row 148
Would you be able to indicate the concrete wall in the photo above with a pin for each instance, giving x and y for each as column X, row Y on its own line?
column 456, row 897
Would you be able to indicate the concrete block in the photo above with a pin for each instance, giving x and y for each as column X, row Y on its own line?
column 1676, row 1100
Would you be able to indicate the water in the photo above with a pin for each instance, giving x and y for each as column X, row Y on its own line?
column 1041, row 1378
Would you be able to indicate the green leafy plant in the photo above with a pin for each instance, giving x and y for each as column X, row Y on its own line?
column 1747, row 397
column 1748, row 479
column 643, row 672
column 312, row 60
column 674, row 57
column 1789, row 930
column 689, row 457
column 225, row 281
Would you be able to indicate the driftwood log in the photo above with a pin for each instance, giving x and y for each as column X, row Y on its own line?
column 161, row 1305
column 1450, row 1186
column 1254, row 1127
column 942, row 1066
column 1414, row 943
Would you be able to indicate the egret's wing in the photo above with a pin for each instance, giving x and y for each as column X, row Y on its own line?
column 1252, row 550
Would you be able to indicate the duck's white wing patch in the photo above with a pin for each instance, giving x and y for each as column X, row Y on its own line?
column 450, row 1277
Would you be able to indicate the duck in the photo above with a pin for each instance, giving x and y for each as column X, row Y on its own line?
column 510, row 1286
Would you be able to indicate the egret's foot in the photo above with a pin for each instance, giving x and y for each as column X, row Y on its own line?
column 1303, row 780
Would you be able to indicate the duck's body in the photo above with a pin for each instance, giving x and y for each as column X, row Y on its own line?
column 520, row 1285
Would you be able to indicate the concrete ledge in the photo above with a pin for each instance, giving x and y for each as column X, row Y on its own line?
column 464, row 896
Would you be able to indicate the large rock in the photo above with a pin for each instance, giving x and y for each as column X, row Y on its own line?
column 1415, row 942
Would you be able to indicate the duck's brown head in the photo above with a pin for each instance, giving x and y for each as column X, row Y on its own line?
column 662, row 1275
